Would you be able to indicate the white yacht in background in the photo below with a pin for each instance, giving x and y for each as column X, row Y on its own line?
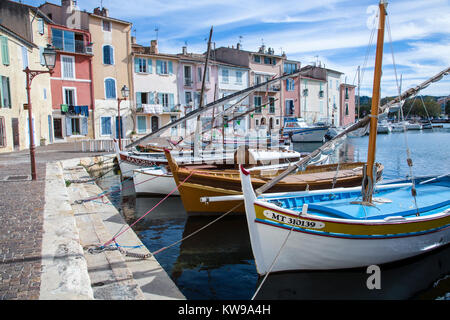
column 299, row 131
column 384, row 127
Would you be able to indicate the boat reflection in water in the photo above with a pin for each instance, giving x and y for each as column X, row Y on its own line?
column 422, row 277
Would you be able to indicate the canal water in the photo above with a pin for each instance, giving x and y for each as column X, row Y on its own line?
column 217, row 262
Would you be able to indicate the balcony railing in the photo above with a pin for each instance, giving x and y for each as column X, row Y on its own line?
column 156, row 109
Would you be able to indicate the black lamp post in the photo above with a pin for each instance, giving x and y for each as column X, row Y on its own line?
column 125, row 93
column 50, row 60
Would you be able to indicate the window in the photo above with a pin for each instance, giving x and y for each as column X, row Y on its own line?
column 2, row 132
column 68, row 67
column 63, row 40
column 142, row 124
column 257, row 59
column 289, row 104
column 5, row 92
column 187, row 97
column 69, row 97
column 199, row 73
column 187, row 76
column 110, row 88
column 257, row 79
column 346, row 109
column 257, row 103
column 164, row 67
column 346, row 93
column 269, row 60
column 224, row 75
column 142, row 65
column 106, row 25
column 290, row 67
column 290, row 84
column 108, row 55
column 106, row 126
column 4, row 50
column 166, row 100
column 238, row 77
column 271, row 105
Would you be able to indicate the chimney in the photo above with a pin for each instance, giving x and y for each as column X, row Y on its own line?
column 238, row 46
column 133, row 39
column 154, row 46
column 262, row 49
column 184, row 50
column 105, row 12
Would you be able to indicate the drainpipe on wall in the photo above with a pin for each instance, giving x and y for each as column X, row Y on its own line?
column 92, row 97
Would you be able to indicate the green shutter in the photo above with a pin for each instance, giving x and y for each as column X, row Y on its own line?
column 136, row 65
column 170, row 67
column 158, row 66
column 4, row 50
column 149, row 66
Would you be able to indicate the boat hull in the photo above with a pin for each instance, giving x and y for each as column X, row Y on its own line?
column 153, row 181
column 309, row 135
column 211, row 184
column 305, row 250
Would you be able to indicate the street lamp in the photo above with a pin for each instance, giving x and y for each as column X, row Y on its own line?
column 125, row 93
column 50, row 60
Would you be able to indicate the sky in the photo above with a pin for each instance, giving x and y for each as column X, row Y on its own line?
column 337, row 33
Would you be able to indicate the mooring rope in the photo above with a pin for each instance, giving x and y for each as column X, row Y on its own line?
column 200, row 229
column 155, row 206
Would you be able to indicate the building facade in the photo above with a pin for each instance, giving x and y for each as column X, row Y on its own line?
column 347, row 104
column 113, row 69
column 23, row 36
column 155, row 89
column 291, row 90
column 71, row 83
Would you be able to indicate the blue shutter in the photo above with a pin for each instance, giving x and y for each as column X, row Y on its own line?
column 106, row 55
column 41, row 55
column 84, row 126
column 68, row 126
column 138, row 99
column 150, row 67
column 111, row 55
column 50, row 129
column 136, row 65
column 170, row 67
column 160, row 98
column 171, row 101
column 40, row 26
column 158, row 66
column 110, row 88
column 24, row 57
column 151, row 98
column 103, row 124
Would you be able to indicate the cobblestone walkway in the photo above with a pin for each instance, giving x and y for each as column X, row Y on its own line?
column 21, row 219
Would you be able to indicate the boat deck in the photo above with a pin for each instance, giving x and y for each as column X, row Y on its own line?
column 431, row 198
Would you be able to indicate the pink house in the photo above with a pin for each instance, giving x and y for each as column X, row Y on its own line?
column 71, row 83
column 291, row 90
column 347, row 104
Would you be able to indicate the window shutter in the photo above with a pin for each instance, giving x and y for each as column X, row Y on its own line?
column 4, row 50
column 160, row 98
column 111, row 55
column 136, row 65
column 138, row 99
column 110, row 88
column 158, row 66
column 170, row 67
column 106, row 55
column 41, row 56
column 2, row 104
column 8, row 93
column 151, row 98
column 171, row 100
column 150, row 67
column 84, row 126
column 40, row 25
column 24, row 57
column 68, row 126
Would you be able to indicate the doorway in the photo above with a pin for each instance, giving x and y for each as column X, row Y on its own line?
column 57, row 128
column 15, row 130
column 155, row 123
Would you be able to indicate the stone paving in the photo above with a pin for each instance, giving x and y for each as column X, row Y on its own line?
column 21, row 218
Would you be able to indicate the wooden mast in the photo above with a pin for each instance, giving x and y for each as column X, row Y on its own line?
column 368, row 183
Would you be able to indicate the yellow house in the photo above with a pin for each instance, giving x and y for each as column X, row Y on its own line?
column 112, row 63
column 23, row 36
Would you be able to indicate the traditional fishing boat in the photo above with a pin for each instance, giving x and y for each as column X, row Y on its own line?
column 210, row 182
column 348, row 227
